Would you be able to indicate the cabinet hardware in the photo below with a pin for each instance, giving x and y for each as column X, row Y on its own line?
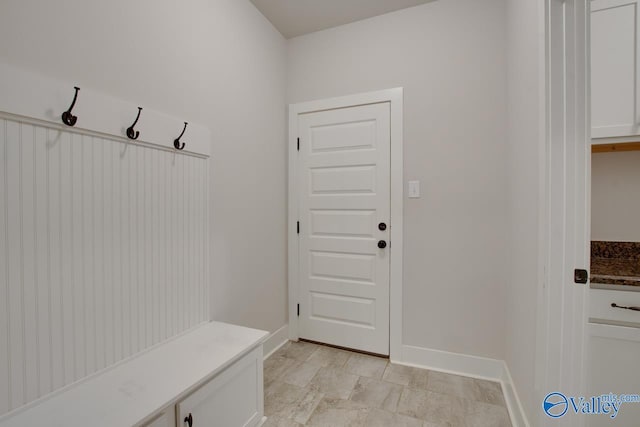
column 614, row 305
column 189, row 420
column 580, row 276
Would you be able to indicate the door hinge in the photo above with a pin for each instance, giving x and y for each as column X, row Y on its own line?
column 298, row 144
column 298, row 310
column 298, row 227
column 580, row 276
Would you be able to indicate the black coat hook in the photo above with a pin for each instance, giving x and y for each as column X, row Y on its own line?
column 68, row 118
column 176, row 142
column 131, row 133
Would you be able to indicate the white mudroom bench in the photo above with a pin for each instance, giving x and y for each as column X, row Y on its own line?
column 209, row 376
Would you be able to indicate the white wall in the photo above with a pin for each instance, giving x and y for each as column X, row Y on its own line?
column 217, row 62
column 615, row 196
column 525, row 46
column 450, row 58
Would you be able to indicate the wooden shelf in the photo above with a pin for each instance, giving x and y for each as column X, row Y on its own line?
column 613, row 147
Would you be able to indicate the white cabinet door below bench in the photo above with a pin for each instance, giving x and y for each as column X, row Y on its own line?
column 232, row 399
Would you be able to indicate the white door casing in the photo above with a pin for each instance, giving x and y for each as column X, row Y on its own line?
column 349, row 290
column 561, row 337
column 343, row 202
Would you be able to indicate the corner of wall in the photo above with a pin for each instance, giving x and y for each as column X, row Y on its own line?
column 514, row 405
column 275, row 340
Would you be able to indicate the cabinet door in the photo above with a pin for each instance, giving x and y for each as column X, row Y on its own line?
column 614, row 68
column 166, row 418
column 234, row 398
column 613, row 357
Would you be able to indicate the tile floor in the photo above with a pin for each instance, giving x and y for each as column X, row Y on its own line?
column 314, row 385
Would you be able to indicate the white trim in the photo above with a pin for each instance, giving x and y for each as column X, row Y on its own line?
column 561, row 334
column 514, row 405
column 275, row 340
column 395, row 98
column 616, row 332
column 80, row 131
column 452, row 363
column 31, row 95
column 483, row 368
column 613, row 139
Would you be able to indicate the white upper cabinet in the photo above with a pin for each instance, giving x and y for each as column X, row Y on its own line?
column 614, row 68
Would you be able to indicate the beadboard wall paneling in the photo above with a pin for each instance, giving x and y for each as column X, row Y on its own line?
column 103, row 253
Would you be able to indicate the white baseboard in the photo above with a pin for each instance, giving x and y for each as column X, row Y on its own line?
column 276, row 340
column 452, row 363
column 468, row 366
column 514, row 405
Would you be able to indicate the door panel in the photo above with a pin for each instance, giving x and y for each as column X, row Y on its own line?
column 344, row 164
column 342, row 223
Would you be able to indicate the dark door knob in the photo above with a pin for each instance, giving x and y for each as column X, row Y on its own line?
column 189, row 420
column 382, row 244
column 382, row 226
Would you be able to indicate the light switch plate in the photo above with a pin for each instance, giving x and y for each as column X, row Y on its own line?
column 414, row 189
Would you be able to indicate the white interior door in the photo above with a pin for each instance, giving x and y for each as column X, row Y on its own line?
column 344, row 212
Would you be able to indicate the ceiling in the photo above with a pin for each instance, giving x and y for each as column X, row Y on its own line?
column 297, row 17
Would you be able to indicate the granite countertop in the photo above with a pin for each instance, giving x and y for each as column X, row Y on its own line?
column 615, row 263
